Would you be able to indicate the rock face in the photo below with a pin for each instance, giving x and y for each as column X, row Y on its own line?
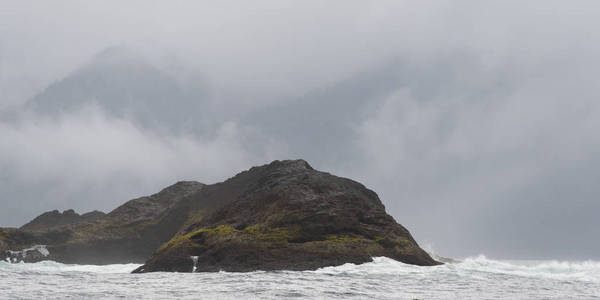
column 285, row 215
column 130, row 233
column 55, row 218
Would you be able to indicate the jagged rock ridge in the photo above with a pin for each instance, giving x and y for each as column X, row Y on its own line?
column 130, row 233
column 55, row 218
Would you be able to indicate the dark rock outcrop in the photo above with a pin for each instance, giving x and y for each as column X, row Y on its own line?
column 55, row 218
column 285, row 215
column 130, row 233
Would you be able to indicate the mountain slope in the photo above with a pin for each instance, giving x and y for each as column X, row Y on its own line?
column 124, row 85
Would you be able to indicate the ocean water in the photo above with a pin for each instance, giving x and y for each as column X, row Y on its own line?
column 471, row 278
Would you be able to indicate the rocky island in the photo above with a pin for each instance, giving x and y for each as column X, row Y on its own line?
column 281, row 216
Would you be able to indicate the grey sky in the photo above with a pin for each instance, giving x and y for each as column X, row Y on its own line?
column 475, row 121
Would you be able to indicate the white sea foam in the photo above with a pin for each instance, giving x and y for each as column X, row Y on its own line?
column 17, row 256
column 48, row 266
column 559, row 270
column 471, row 278
column 195, row 262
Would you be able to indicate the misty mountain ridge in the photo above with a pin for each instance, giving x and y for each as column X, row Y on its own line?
column 123, row 84
column 126, row 86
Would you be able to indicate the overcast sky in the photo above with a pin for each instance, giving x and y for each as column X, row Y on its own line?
column 476, row 122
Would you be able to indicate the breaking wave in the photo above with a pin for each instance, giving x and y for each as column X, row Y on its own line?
column 473, row 266
column 55, row 267
column 470, row 278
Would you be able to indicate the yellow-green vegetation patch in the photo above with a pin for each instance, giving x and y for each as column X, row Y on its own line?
column 219, row 230
column 342, row 238
column 254, row 232
column 176, row 241
column 180, row 239
column 254, row 229
column 272, row 234
column 405, row 241
column 194, row 217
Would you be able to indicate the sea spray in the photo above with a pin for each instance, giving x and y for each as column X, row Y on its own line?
column 38, row 251
column 195, row 261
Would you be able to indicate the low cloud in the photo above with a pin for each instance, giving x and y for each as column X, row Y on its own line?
column 90, row 160
column 467, row 165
